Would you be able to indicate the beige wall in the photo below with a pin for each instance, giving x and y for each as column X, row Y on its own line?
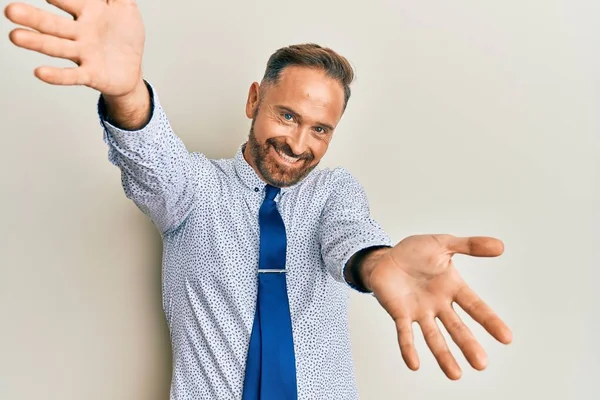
column 473, row 117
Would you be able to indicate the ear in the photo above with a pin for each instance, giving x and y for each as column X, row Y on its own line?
column 253, row 100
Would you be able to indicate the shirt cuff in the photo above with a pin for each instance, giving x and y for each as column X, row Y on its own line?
column 376, row 243
column 121, row 140
column 102, row 111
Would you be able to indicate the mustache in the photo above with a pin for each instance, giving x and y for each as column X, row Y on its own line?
column 284, row 148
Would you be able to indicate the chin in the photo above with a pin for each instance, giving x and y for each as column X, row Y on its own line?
column 282, row 175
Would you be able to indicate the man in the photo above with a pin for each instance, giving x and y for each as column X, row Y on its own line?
column 259, row 249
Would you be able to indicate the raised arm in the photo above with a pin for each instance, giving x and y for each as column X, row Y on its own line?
column 157, row 172
column 105, row 39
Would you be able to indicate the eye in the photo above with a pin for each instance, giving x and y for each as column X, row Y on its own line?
column 320, row 129
column 288, row 116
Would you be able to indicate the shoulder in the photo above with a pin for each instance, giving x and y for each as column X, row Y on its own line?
column 335, row 184
column 333, row 179
column 224, row 165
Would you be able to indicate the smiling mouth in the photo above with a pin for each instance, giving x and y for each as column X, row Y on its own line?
column 287, row 159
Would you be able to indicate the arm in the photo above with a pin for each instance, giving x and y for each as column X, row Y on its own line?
column 157, row 172
column 106, row 41
column 350, row 239
column 414, row 280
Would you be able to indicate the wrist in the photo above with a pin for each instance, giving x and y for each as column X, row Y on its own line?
column 361, row 266
column 131, row 110
column 370, row 262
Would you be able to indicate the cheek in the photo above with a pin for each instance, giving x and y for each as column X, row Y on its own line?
column 318, row 148
column 265, row 128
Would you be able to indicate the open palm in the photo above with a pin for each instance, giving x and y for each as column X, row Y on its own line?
column 105, row 39
column 416, row 281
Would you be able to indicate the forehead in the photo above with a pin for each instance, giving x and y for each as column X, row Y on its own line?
column 308, row 91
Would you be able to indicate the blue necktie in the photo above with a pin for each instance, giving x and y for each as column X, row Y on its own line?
column 271, row 365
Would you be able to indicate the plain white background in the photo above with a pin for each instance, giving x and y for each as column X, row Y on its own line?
column 469, row 117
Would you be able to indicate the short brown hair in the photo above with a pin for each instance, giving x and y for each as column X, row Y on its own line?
column 311, row 55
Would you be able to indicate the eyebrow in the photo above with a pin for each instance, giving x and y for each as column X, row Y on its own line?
column 291, row 111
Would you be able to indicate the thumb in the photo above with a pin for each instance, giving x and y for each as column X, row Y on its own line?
column 477, row 246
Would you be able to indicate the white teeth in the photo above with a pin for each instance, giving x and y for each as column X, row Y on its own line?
column 287, row 158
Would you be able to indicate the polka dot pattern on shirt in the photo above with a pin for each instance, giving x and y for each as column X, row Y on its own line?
column 207, row 213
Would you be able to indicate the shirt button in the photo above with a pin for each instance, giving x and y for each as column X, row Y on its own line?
column 256, row 189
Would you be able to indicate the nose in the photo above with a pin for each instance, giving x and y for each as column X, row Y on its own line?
column 299, row 142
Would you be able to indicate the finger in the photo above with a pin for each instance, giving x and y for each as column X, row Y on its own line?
column 45, row 44
column 73, row 7
column 469, row 301
column 478, row 246
column 407, row 343
column 42, row 21
column 462, row 336
column 62, row 76
column 438, row 346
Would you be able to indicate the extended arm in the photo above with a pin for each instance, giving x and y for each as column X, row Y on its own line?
column 106, row 42
column 157, row 172
column 348, row 232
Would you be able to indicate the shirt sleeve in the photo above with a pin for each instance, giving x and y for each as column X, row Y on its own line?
column 157, row 172
column 346, row 225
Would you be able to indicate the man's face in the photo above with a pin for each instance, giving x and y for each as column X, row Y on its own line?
column 292, row 124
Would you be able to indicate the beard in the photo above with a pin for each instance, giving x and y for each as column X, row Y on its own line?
column 272, row 171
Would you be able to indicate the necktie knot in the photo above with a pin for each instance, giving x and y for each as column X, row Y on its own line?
column 272, row 192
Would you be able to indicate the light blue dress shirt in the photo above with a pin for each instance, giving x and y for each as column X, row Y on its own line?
column 207, row 213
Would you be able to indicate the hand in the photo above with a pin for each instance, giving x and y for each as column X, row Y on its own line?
column 416, row 281
column 105, row 39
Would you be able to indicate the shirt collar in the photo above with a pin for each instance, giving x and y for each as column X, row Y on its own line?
column 250, row 178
